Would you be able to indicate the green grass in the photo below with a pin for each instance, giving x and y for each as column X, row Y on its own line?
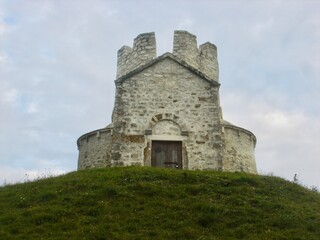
column 152, row 203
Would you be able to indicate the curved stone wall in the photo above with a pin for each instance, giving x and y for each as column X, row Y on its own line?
column 95, row 149
column 238, row 149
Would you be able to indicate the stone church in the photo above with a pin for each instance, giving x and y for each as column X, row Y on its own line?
column 167, row 113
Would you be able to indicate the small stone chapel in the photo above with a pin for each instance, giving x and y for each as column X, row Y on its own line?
column 167, row 113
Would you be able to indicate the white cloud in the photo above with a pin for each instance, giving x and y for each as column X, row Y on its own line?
column 261, row 29
column 287, row 141
column 32, row 108
column 12, row 175
column 9, row 96
column 2, row 28
column 3, row 58
column 185, row 23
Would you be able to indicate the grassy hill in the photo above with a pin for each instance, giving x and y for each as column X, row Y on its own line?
column 151, row 203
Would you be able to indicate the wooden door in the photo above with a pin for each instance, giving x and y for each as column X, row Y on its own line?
column 166, row 154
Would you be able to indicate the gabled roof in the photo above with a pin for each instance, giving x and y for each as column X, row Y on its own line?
column 172, row 57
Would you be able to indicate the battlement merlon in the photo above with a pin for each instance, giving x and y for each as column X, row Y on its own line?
column 208, row 63
column 185, row 47
column 203, row 58
column 143, row 51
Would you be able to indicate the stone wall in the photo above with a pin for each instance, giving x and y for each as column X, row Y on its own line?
column 167, row 90
column 143, row 51
column 95, row 149
column 238, row 151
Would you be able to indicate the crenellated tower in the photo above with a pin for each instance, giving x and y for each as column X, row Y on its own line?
column 203, row 58
column 144, row 50
column 167, row 112
column 185, row 48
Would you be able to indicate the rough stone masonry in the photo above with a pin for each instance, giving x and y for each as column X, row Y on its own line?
column 167, row 113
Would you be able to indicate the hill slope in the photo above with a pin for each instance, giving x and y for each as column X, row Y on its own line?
column 152, row 203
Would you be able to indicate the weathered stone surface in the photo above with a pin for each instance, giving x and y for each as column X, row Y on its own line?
column 144, row 50
column 238, row 151
column 174, row 97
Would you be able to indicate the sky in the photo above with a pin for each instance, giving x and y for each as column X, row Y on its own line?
column 58, row 66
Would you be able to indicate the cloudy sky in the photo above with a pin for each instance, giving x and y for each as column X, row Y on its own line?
column 58, row 66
